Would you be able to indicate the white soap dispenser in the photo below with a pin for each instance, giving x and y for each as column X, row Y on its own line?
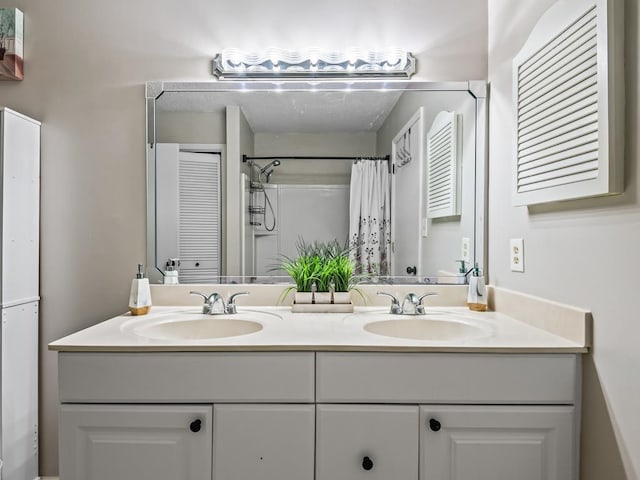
column 140, row 297
column 477, row 295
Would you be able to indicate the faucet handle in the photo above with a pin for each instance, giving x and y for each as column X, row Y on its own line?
column 429, row 294
column 231, row 304
column 419, row 306
column 396, row 309
column 203, row 295
column 209, row 300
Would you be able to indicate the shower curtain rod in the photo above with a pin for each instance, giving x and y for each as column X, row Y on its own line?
column 246, row 158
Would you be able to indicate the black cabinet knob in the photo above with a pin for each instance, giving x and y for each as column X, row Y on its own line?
column 412, row 270
column 367, row 463
column 434, row 425
column 195, row 426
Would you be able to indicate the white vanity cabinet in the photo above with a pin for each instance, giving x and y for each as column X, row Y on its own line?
column 318, row 415
column 187, row 416
column 481, row 416
column 135, row 442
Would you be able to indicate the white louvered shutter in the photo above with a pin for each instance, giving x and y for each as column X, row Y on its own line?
column 199, row 217
column 568, row 105
column 443, row 166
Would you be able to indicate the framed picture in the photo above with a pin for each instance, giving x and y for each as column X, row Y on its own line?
column 11, row 44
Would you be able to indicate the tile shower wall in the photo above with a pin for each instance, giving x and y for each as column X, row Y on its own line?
column 312, row 212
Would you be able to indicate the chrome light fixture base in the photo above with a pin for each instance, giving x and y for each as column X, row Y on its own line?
column 275, row 63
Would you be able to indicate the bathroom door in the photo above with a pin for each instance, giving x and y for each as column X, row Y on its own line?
column 407, row 198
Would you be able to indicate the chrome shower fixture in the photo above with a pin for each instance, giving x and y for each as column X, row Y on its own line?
column 267, row 170
column 264, row 169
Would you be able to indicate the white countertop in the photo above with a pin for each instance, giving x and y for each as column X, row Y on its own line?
column 286, row 331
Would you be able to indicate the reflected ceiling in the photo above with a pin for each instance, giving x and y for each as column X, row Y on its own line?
column 297, row 112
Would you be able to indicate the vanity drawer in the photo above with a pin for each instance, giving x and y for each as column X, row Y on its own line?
column 445, row 378
column 278, row 377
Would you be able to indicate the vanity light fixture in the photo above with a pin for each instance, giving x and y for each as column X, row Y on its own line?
column 313, row 63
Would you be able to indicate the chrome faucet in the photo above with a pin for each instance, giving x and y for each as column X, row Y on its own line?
column 396, row 309
column 411, row 305
column 214, row 303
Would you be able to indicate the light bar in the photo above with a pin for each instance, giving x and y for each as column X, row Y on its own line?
column 313, row 63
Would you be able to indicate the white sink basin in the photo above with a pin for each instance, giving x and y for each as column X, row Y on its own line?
column 200, row 329
column 439, row 329
column 197, row 326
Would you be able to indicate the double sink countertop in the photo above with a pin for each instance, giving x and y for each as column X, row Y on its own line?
column 441, row 329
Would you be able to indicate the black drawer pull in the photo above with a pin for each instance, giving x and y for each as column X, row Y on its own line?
column 367, row 463
column 434, row 425
column 195, row 426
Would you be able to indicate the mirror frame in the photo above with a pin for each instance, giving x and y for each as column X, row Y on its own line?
column 477, row 89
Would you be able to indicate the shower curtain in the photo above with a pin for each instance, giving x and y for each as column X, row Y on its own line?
column 369, row 217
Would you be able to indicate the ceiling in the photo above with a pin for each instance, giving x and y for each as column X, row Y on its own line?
column 295, row 112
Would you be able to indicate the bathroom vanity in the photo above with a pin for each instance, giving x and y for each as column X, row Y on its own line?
column 317, row 396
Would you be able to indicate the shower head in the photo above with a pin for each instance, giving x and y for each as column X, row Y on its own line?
column 274, row 163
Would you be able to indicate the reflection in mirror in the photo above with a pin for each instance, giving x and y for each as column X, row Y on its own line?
column 238, row 177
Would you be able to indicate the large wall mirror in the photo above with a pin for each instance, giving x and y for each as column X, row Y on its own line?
column 239, row 173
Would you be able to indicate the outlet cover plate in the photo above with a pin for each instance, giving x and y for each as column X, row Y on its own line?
column 516, row 252
column 465, row 253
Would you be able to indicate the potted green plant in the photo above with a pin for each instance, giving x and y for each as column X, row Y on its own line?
column 304, row 271
column 322, row 272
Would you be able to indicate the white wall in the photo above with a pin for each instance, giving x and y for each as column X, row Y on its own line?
column 191, row 127
column 584, row 253
column 85, row 68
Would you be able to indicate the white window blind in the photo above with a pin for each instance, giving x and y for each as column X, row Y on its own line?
column 567, row 99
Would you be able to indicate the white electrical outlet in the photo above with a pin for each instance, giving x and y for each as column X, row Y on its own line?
column 465, row 254
column 517, row 254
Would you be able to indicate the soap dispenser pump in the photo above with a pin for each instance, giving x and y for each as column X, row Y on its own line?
column 477, row 295
column 140, row 297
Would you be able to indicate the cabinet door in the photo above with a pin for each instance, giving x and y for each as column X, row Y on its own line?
column 127, row 442
column 368, row 442
column 19, row 386
column 263, row 442
column 20, row 176
column 496, row 443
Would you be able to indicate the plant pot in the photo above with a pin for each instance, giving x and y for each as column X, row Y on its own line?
column 303, row 297
column 342, row 297
column 323, row 297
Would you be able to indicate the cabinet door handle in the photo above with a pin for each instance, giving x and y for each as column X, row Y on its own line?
column 434, row 425
column 195, row 426
column 367, row 463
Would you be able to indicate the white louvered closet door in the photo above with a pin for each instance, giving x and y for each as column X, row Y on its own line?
column 199, row 216
column 567, row 100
